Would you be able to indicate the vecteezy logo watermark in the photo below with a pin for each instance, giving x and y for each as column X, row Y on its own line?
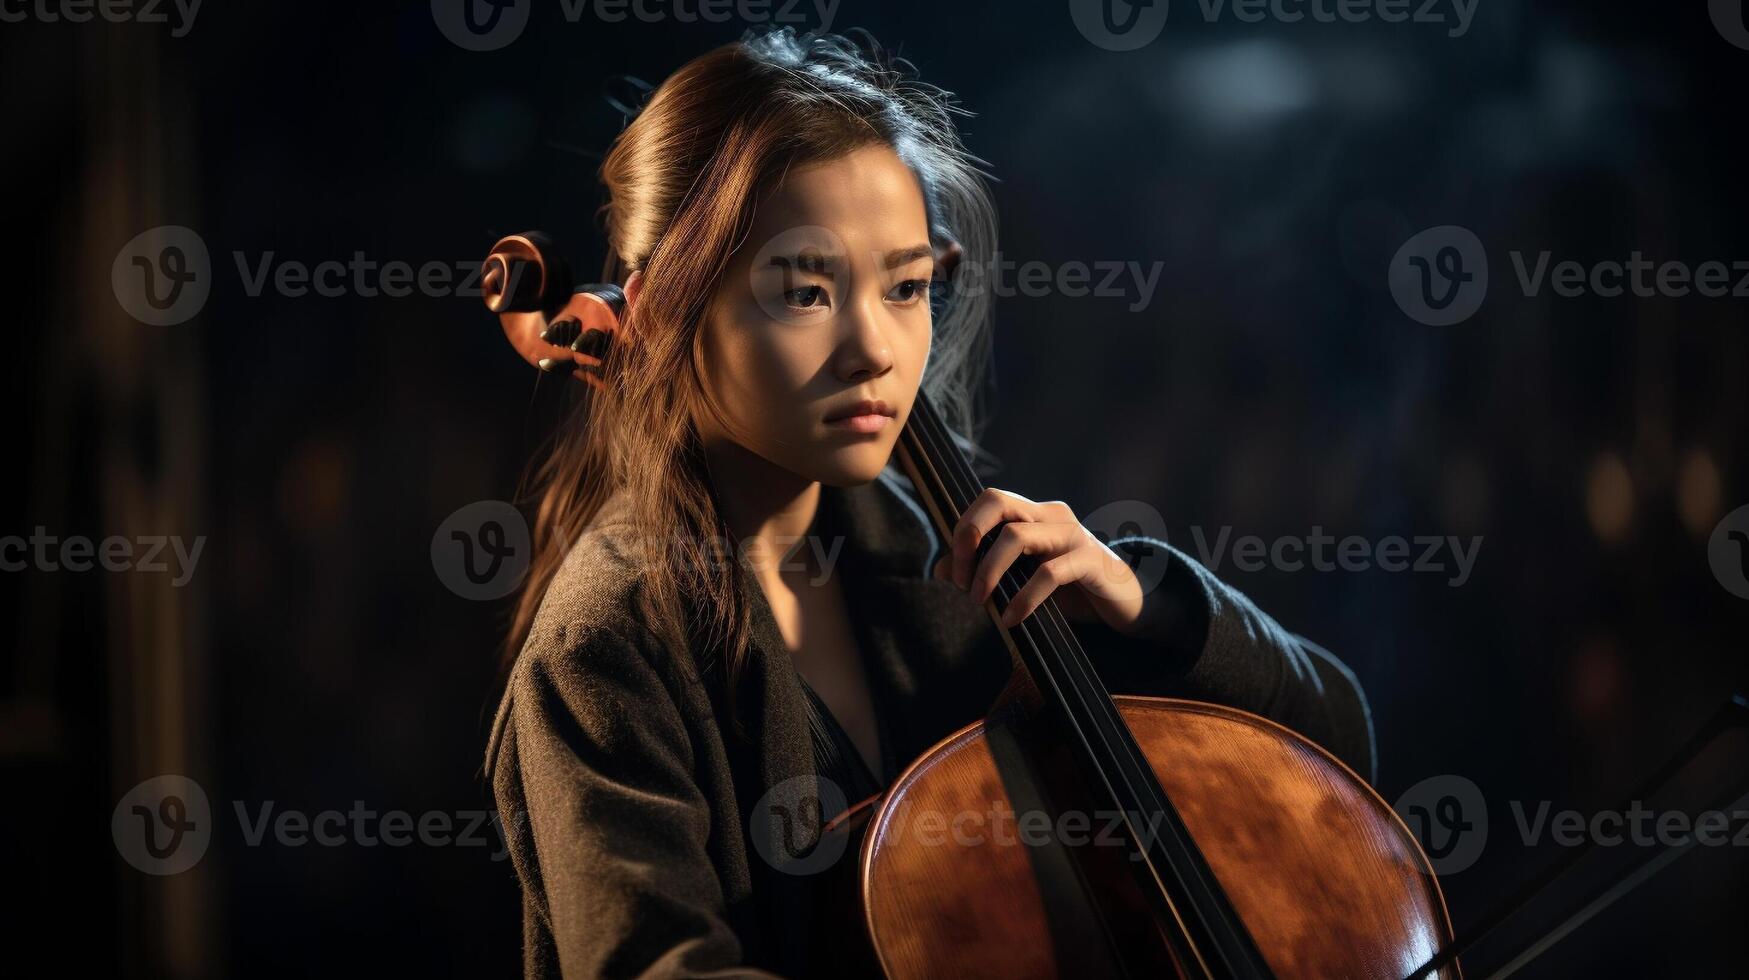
column 1136, row 532
column 1125, row 25
column 487, row 25
column 1440, row 276
column 1120, row 25
column 480, row 25
column 1450, row 818
column 162, row 276
column 45, row 552
column 787, row 822
column 1324, row 553
column 796, row 273
column 481, row 551
column 163, row 825
column 1728, row 19
column 1727, row 551
column 112, row 11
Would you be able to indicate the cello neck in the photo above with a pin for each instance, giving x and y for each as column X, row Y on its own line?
column 1196, row 916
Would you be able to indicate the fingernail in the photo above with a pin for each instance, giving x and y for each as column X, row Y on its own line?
column 553, row 365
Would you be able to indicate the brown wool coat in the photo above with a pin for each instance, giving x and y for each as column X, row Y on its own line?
column 624, row 803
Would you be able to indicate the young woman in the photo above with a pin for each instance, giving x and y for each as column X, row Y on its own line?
column 732, row 587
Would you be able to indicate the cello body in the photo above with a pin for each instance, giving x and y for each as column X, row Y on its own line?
column 1323, row 872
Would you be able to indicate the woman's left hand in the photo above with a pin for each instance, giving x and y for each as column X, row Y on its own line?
column 1091, row 583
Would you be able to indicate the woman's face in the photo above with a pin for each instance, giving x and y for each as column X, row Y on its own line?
column 824, row 307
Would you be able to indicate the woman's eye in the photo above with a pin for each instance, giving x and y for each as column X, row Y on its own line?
column 806, row 297
column 910, row 291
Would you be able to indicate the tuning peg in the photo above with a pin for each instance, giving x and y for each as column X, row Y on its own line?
column 557, row 365
column 563, row 332
column 594, row 343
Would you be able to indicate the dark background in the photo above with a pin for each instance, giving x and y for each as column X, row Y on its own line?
column 1272, row 385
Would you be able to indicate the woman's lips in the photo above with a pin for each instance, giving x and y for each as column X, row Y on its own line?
column 870, row 422
column 866, row 416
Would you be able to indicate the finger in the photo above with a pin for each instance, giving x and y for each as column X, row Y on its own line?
column 1016, row 539
column 1051, row 576
column 557, row 365
column 991, row 508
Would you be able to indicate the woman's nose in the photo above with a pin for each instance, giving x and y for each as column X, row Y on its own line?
column 864, row 353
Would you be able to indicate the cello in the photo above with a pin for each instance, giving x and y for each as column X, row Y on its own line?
column 1235, row 847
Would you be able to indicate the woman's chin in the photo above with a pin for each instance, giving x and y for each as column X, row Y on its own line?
column 853, row 466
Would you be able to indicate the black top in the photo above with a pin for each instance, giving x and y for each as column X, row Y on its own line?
column 836, row 757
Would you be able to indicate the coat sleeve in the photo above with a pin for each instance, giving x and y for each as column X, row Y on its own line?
column 591, row 766
column 1213, row 644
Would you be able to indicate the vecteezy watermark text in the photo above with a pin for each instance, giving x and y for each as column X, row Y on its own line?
column 1125, row 25
column 1321, row 552
column 357, row 276
column 789, row 826
column 1440, row 276
column 1101, row 279
column 362, row 826
column 1449, row 815
column 481, row 551
column 150, row 553
column 487, row 25
column 110, row 11
column 164, row 275
column 1638, row 275
column 164, row 825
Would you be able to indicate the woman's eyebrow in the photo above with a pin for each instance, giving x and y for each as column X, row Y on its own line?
column 902, row 256
column 808, row 261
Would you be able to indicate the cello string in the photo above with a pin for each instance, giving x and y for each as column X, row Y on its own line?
column 949, row 484
column 960, row 489
column 958, row 485
column 931, row 464
column 963, row 487
column 1095, row 699
column 936, row 466
column 1091, row 696
column 1208, row 902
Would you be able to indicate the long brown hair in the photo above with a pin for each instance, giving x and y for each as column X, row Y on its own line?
column 683, row 180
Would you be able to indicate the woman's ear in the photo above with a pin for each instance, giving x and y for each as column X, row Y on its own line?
column 634, row 285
